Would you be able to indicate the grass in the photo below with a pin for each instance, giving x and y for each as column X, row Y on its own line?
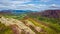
column 54, row 23
column 20, row 16
column 5, row 29
column 45, row 28
column 52, row 28
column 33, row 29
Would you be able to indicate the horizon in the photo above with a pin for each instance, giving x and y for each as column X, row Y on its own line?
column 28, row 10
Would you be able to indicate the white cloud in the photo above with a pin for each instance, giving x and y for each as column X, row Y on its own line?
column 45, row 0
column 19, row 4
column 12, row 4
column 53, row 5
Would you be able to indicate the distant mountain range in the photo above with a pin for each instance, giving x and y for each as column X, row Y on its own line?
column 47, row 13
column 14, row 11
column 51, row 13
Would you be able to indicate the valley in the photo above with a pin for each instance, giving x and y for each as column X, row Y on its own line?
column 28, row 23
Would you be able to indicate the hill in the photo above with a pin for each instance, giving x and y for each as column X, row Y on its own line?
column 15, row 12
column 30, row 22
column 51, row 13
column 26, row 26
column 48, row 13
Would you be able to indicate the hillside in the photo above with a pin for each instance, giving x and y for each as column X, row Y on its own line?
column 51, row 13
column 27, row 26
column 47, row 13
column 50, row 17
column 30, row 23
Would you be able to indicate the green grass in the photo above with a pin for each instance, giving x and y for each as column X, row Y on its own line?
column 54, row 23
column 20, row 16
column 45, row 28
column 53, row 27
column 33, row 29
column 5, row 29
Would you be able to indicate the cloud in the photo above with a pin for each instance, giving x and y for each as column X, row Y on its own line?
column 11, row 4
column 45, row 0
column 53, row 5
column 20, row 5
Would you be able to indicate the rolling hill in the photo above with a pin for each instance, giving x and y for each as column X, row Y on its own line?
column 44, row 22
column 47, row 13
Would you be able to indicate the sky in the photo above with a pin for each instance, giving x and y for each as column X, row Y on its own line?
column 29, row 4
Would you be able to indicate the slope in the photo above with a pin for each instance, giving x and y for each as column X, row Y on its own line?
column 27, row 26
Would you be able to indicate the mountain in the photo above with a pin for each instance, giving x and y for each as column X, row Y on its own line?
column 48, row 13
column 20, row 11
column 30, row 23
column 26, row 26
column 5, row 12
column 50, row 16
column 51, row 13
column 14, row 11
